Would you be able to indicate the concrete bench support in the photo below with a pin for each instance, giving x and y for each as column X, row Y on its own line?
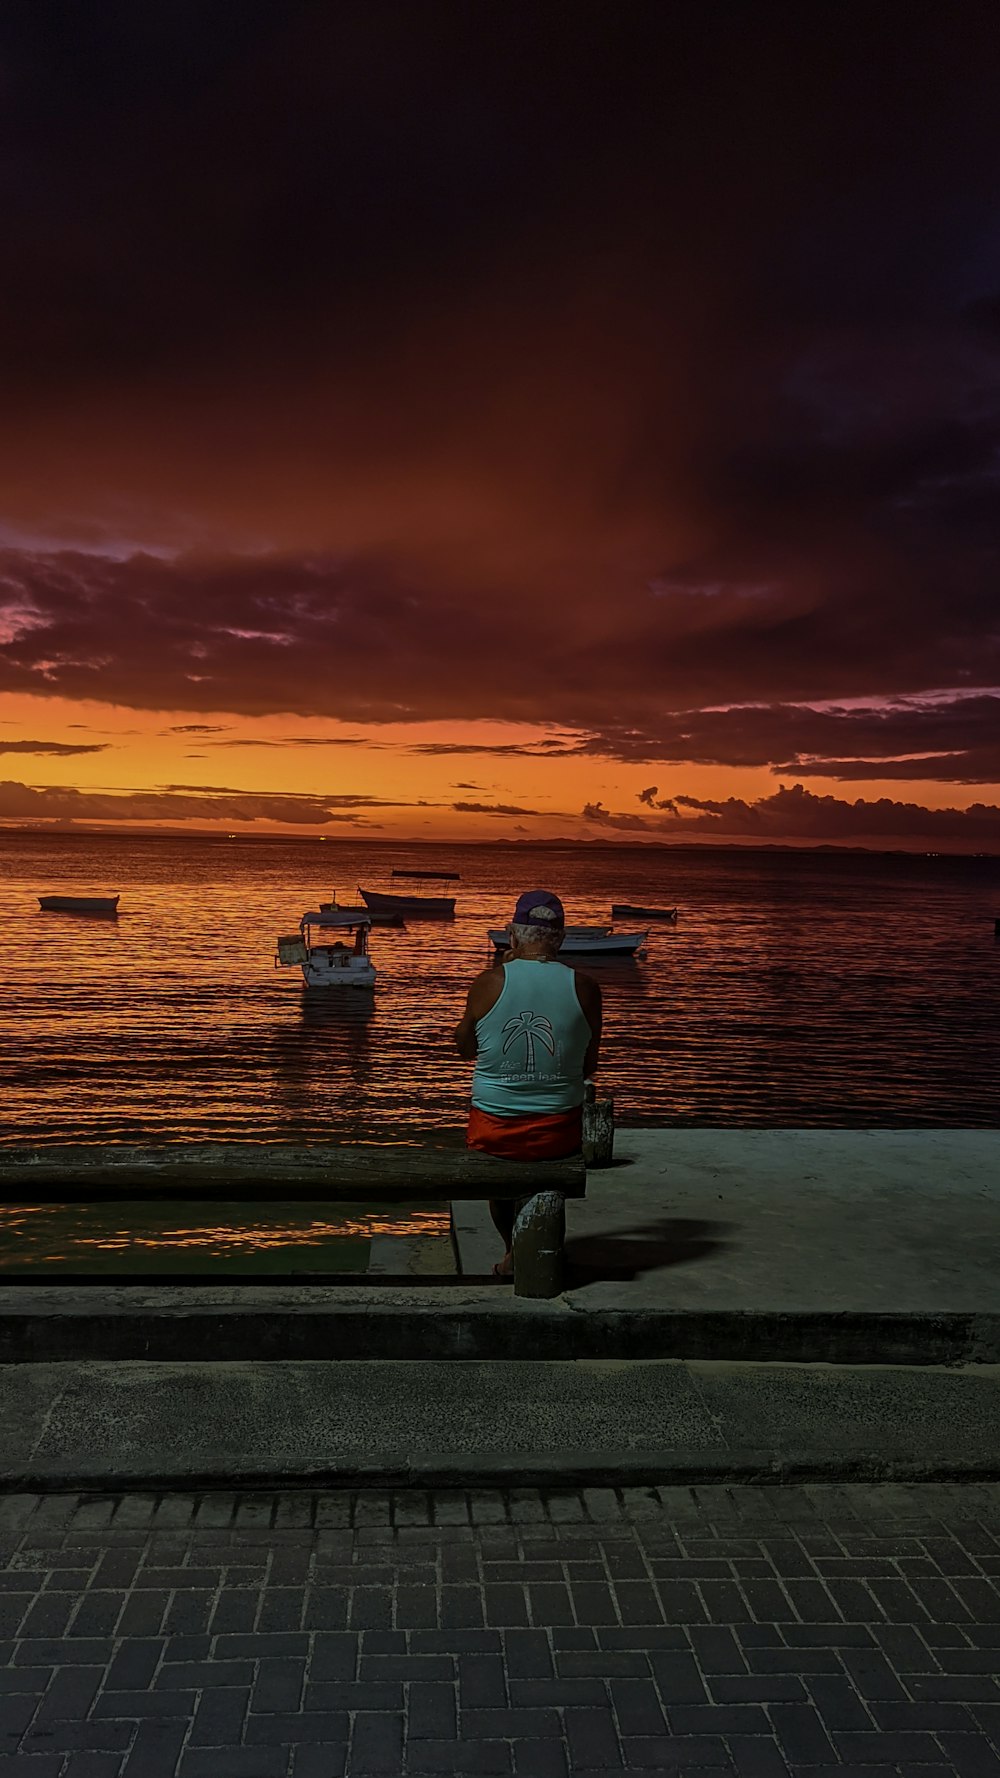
column 539, row 1237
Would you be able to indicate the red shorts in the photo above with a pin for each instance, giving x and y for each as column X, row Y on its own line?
column 533, row 1137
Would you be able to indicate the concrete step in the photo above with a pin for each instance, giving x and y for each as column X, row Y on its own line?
column 396, row 1313
column 110, row 1426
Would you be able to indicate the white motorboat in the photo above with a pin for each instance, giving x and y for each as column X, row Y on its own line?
column 582, row 941
column 333, row 965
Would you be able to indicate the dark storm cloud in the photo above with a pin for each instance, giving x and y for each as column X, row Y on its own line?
column 956, row 738
column 795, row 814
column 357, row 641
column 595, row 375
column 54, row 747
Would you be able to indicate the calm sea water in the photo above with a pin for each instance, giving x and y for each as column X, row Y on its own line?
column 834, row 989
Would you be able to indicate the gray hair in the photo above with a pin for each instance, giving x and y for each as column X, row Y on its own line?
column 538, row 937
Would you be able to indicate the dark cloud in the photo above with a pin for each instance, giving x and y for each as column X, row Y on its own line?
column 475, row 364
column 796, row 815
column 955, row 738
column 492, row 809
column 602, row 817
column 23, row 802
column 303, row 741
column 264, row 635
column 56, row 747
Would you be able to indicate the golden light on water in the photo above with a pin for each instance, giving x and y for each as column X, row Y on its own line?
column 49, row 1234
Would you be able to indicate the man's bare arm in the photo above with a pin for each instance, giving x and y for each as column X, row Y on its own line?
column 484, row 993
column 589, row 995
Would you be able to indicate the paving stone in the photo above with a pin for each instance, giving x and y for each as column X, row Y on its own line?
column 377, row 1743
column 592, row 1739
column 464, row 1757
column 539, row 1759
column 637, row 1707
column 156, row 1749
column 801, row 1735
column 93, row 1765
column 885, row 1667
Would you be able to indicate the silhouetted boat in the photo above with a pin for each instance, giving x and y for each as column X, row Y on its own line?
column 625, row 910
column 427, row 907
column 332, row 913
column 579, row 942
column 436, row 875
column 79, row 904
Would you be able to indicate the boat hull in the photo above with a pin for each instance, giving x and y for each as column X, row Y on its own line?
column 608, row 944
column 79, row 904
column 334, row 916
column 343, row 973
column 411, row 907
column 624, row 910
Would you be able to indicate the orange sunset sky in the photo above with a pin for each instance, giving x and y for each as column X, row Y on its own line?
column 447, row 423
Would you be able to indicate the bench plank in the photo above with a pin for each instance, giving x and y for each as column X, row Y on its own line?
column 237, row 1171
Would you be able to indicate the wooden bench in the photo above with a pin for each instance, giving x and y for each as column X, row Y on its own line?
column 246, row 1172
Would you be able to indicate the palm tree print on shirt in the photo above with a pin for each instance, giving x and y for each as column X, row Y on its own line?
column 529, row 1026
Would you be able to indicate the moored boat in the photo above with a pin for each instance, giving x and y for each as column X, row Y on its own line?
column 427, row 907
column 332, row 913
column 437, row 876
column 79, row 904
column 626, row 910
column 333, row 965
column 583, row 943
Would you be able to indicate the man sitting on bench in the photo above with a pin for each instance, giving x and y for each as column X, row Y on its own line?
column 533, row 1027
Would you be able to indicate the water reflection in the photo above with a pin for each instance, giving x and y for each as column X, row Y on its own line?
column 323, row 1057
column 162, row 1237
column 793, row 990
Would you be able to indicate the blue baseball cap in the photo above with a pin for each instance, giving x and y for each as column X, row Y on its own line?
column 537, row 907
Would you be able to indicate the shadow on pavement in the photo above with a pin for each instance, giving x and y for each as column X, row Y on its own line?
column 622, row 1254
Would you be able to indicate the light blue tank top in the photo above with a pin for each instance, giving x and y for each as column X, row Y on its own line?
column 531, row 1044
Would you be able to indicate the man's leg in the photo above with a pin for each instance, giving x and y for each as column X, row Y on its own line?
column 503, row 1212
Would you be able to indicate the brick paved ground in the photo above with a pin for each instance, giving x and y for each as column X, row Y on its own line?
column 747, row 1631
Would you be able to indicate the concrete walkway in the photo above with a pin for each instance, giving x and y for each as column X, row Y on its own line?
column 789, row 1245
column 711, row 1247
column 783, row 1222
column 401, row 1423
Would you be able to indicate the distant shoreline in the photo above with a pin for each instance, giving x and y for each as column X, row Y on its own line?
column 551, row 845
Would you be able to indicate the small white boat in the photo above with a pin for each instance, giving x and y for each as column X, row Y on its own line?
column 79, row 904
column 584, row 942
column 323, row 965
column 427, row 907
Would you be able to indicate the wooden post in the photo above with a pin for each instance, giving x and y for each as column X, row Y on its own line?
column 598, row 1127
column 539, row 1233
